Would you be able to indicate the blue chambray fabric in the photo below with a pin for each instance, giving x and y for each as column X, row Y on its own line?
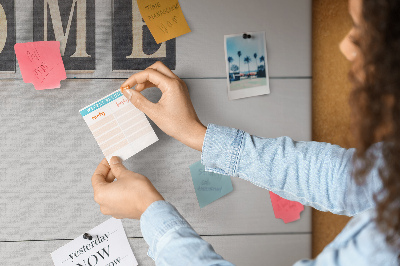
column 172, row 241
column 312, row 173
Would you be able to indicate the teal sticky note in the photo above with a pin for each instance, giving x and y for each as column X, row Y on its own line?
column 209, row 186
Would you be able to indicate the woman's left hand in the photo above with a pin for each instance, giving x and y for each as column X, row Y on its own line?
column 128, row 196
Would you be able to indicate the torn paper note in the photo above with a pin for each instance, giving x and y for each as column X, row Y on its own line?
column 118, row 126
column 41, row 64
column 288, row 211
column 164, row 18
column 209, row 186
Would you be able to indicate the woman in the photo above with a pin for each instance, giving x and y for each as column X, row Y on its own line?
column 316, row 174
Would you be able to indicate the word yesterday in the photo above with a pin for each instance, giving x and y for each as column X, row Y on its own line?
column 89, row 246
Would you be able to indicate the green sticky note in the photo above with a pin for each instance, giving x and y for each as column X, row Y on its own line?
column 209, row 186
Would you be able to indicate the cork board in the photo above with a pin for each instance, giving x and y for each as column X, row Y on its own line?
column 330, row 97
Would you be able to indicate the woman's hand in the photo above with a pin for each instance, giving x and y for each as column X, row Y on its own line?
column 174, row 112
column 128, row 196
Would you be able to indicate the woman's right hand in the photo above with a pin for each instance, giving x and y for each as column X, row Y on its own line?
column 174, row 112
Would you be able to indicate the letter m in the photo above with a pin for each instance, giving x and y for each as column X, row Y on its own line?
column 71, row 22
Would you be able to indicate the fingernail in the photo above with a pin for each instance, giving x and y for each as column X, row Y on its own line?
column 124, row 88
column 115, row 160
column 129, row 92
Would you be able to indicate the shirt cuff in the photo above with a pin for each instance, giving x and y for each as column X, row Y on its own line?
column 222, row 148
column 158, row 219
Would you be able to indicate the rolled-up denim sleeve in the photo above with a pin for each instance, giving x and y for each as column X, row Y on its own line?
column 171, row 239
column 313, row 173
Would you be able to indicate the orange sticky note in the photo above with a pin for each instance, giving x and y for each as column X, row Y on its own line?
column 288, row 211
column 164, row 18
column 41, row 64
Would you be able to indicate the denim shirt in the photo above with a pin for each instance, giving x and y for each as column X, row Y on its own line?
column 312, row 173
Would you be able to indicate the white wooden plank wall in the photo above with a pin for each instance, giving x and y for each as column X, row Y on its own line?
column 48, row 153
column 286, row 249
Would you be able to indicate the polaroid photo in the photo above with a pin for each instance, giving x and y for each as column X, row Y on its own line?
column 246, row 65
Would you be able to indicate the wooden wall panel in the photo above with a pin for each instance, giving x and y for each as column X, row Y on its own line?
column 48, row 153
column 240, row 250
column 51, row 156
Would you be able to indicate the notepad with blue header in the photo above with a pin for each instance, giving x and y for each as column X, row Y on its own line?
column 118, row 126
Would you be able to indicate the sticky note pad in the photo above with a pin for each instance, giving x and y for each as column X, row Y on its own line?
column 287, row 210
column 164, row 18
column 41, row 64
column 118, row 126
column 209, row 186
column 108, row 246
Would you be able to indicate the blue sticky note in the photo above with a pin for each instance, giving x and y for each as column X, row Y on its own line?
column 209, row 186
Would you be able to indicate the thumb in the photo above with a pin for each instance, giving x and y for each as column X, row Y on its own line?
column 99, row 176
column 138, row 100
column 117, row 167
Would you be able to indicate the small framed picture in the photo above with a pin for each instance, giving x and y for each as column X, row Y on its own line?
column 246, row 65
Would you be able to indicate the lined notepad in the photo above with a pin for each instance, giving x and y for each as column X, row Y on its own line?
column 118, row 126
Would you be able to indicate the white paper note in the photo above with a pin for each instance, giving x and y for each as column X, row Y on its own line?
column 118, row 126
column 108, row 247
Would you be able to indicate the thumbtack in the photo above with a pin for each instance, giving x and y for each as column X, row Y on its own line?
column 246, row 36
column 87, row 236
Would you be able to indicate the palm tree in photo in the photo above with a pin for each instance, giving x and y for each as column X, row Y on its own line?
column 247, row 60
column 234, row 68
column 261, row 68
column 239, row 54
column 230, row 60
column 262, row 59
column 255, row 61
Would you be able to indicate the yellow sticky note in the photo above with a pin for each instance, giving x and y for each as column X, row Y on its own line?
column 164, row 18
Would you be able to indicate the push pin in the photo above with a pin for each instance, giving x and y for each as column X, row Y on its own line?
column 246, row 36
column 87, row 236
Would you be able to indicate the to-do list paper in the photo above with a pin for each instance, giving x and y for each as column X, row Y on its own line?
column 118, row 126
column 108, row 246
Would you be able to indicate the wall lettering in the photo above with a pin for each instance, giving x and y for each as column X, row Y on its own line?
column 7, row 36
column 72, row 23
column 134, row 47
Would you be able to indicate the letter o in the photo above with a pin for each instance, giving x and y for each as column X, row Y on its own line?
column 88, row 260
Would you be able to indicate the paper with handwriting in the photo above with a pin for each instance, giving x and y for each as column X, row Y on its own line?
column 287, row 210
column 209, row 186
column 41, row 64
column 164, row 18
column 108, row 246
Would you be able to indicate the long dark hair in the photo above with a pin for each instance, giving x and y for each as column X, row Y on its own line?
column 375, row 101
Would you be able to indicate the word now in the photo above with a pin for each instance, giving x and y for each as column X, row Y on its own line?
column 94, row 260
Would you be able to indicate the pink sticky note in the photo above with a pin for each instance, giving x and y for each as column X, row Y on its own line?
column 41, row 64
column 288, row 211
